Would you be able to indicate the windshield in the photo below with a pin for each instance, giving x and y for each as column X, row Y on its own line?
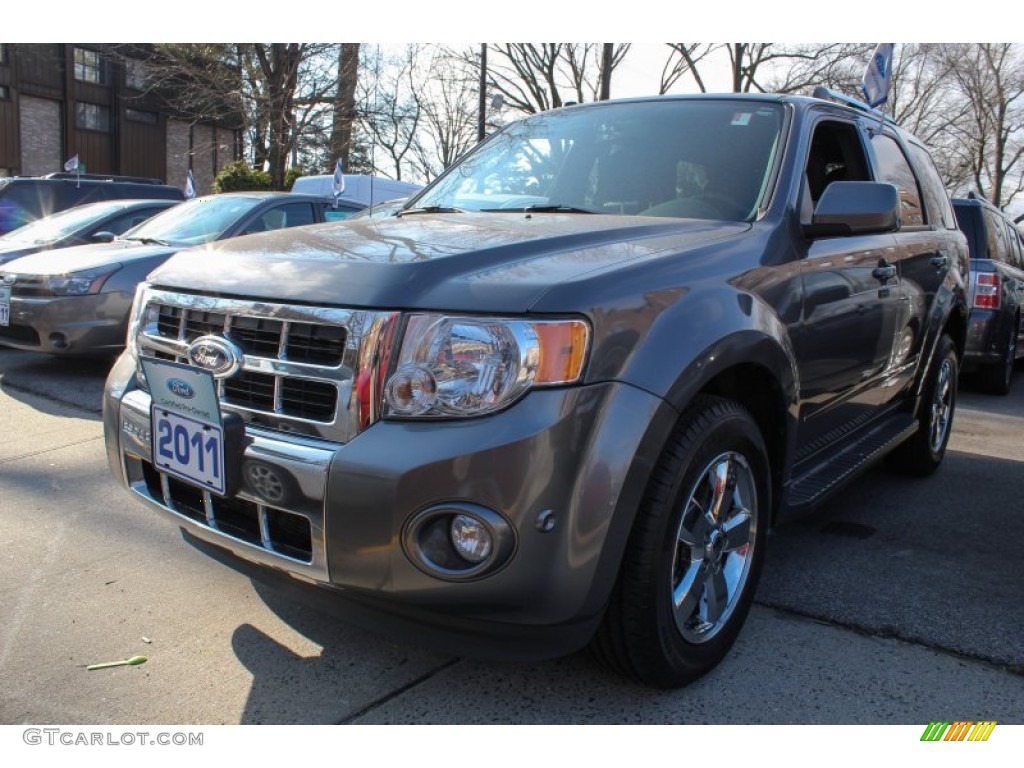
column 59, row 225
column 196, row 221
column 708, row 159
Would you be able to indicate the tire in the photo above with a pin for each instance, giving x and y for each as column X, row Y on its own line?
column 922, row 453
column 694, row 556
column 996, row 379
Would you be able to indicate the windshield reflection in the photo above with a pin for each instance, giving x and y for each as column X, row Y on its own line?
column 194, row 222
column 707, row 159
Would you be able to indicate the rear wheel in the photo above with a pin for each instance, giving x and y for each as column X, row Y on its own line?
column 922, row 454
column 695, row 553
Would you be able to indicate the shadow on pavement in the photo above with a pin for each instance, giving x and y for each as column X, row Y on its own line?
column 72, row 382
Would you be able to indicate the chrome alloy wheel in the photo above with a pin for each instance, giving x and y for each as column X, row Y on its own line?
column 714, row 547
column 941, row 407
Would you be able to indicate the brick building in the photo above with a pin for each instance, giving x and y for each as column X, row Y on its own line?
column 60, row 100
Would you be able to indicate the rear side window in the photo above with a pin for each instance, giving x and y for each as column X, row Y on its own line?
column 996, row 244
column 894, row 168
column 939, row 209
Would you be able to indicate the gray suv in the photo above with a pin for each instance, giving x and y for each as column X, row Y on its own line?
column 561, row 396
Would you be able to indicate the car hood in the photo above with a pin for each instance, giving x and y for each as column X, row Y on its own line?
column 62, row 261
column 464, row 261
column 12, row 252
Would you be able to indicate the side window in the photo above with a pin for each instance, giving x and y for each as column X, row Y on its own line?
column 122, row 224
column 939, row 209
column 894, row 168
column 1014, row 245
column 337, row 214
column 836, row 154
column 290, row 215
column 996, row 244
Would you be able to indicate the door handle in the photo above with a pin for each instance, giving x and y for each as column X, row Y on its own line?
column 940, row 261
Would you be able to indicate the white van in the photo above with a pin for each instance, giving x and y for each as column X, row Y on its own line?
column 368, row 190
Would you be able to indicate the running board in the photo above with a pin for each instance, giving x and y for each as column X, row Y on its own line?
column 829, row 475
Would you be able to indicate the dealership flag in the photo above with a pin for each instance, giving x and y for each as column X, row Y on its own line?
column 190, row 186
column 878, row 75
column 72, row 164
column 338, row 182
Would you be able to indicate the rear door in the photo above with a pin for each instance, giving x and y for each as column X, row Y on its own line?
column 928, row 247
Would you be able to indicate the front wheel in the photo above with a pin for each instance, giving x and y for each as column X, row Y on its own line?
column 694, row 556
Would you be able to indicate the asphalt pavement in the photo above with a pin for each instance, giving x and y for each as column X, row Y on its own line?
column 899, row 602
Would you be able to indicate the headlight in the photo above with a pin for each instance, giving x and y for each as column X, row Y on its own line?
column 469, row 366
column 136, row 320
column 79, row 283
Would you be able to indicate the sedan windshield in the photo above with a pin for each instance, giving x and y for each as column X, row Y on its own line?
column 194, row 222
column 707, row 158
column 59, row 225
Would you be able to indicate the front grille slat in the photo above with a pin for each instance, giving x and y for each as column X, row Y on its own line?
column 303, row 366
column 275, row 530
column 320, row 345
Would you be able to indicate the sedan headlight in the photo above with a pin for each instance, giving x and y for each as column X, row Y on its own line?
column 79, row 283
column 469, row 366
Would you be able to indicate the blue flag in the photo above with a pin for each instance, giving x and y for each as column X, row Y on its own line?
column 878, row 75
column 190, row 186
column 338, row 182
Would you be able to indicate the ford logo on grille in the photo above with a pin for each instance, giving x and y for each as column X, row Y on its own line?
column 181, row 388
column 216, row 354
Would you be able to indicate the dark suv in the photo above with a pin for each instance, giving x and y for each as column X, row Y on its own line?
column 562, row 394
column 995, row 336
column 24, row 199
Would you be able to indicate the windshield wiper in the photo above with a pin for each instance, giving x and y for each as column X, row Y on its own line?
column 545, row 208
column 432, row 209
column 147, row 240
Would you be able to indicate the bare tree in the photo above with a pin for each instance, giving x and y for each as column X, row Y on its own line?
column 536, row 77
column 344, row 114
column 684, row 57
column 990, row 142
column 447, row 96
column 391, row 111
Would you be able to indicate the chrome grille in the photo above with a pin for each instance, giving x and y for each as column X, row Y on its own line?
column 301, row 364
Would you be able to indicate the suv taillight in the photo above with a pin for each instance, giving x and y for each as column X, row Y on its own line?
column 988, row 291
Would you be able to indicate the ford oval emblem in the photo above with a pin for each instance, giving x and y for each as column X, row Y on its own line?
column 216, row 354
column 181, row 388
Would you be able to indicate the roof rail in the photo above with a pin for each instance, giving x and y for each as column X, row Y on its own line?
column 821, row 92
column 103, row 177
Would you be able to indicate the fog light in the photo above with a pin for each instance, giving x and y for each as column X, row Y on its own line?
column 470, row 538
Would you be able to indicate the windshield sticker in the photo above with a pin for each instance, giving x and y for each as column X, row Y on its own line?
column 741, row 118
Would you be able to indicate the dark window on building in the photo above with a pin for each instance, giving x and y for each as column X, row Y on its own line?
column 92, row 117
column 141, row 116
column 136, row 74
column 5, row 93
column 3, row 53
column 90, row 67
column 895, row 169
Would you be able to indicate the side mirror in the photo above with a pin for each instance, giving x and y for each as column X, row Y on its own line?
column 855, row 208
column 103, row 237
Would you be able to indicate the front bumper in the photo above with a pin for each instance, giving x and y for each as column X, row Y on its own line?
column 68, row 325
column 336, row 514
